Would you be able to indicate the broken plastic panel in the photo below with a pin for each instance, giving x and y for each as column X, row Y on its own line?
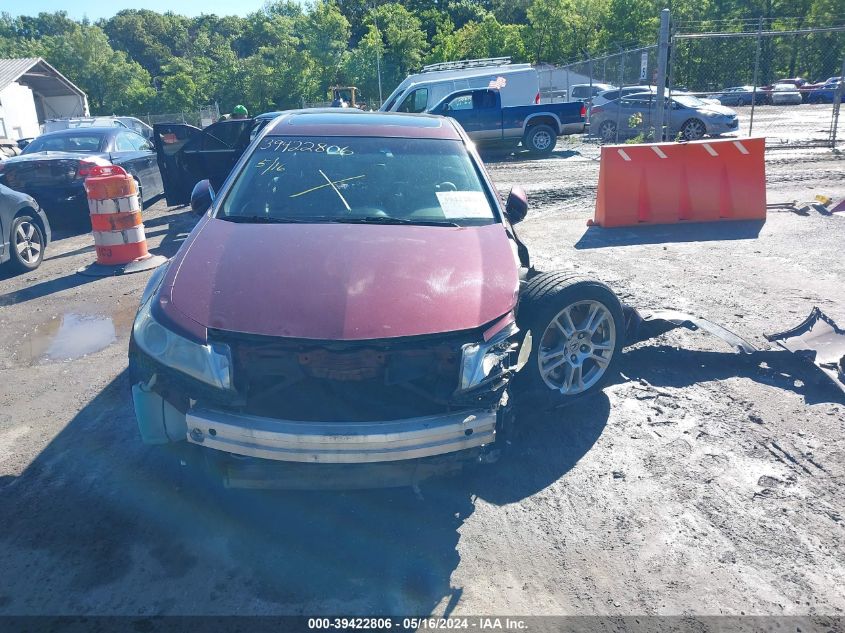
column 819, row 340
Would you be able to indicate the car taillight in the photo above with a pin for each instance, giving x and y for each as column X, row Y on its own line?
column 584, row 110
column 537, row 99
column 84, row 168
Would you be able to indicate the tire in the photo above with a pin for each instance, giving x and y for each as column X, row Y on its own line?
column 564, row 351
column 541, row 139
column 693, row 129
column 607, row 131
column 26, row 243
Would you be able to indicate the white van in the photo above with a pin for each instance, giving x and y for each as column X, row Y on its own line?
column 518, row 84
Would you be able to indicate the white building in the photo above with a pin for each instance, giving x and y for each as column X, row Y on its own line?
column 32, row 91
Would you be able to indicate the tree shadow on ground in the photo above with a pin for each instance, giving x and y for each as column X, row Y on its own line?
column 598, row 237
column 100, row 506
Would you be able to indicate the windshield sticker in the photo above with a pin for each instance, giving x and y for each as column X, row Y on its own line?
column 464, row 204
column 331, row 183
column 265, row 166
column 286, row 145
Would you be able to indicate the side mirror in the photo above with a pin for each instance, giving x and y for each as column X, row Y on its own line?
column 516, row 208
column 201, row 197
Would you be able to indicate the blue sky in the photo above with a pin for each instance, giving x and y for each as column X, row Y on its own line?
column 96, row 10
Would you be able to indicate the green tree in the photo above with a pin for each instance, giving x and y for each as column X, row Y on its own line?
column 325, row 35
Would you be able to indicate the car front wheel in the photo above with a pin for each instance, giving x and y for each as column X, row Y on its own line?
column 27, row 243
column 693, row 130
column 577, row 332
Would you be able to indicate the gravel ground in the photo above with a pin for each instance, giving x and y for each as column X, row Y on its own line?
column 701, row 482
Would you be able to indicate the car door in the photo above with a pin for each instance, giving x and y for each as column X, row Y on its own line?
column 152, row 176
column 466, row 108
column 187, row 154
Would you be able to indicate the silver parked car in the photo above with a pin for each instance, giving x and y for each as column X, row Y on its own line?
column 786, row 94
column 688, row 116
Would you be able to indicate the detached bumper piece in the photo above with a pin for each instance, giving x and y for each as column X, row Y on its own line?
column 819, row 340
column 641, row 327
column 340, row 442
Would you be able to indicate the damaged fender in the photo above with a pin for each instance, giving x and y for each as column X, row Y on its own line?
column 159, row 422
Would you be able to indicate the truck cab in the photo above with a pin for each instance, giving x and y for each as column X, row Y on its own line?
column 487, row 122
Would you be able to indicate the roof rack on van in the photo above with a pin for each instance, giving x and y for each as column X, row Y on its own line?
column 468, row 63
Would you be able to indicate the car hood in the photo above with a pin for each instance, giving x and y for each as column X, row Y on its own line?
column 341, row 281
column 718, row 109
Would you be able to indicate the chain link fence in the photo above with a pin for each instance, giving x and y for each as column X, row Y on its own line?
column 737, row 68
column 782, row 85
column 201, row 117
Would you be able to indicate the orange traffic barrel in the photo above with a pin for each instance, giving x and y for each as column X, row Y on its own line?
column 115, row 210
column 114, row 205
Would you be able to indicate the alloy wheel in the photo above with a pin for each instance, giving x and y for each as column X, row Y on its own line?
column 28, row 242
column 693, row 130
column 576, row 347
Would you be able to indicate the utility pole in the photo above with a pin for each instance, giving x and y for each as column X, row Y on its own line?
column 378, row 55
column 837, row 103
column 621, row 83
column 756, row 73
column 662, row 61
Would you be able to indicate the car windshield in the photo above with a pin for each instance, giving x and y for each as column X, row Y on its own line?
column 349, row 179
column 82, row 142
column 689, row 101
column 784, row 87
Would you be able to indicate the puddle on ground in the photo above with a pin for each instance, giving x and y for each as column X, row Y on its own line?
column 80, row 335
column 75, row 334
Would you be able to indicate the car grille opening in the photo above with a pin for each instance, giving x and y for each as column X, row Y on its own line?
column 350, row 381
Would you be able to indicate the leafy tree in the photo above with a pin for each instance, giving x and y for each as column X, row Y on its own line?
column 403, row 40
column 325, row 37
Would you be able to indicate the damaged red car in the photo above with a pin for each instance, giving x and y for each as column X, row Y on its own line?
column 354, row 308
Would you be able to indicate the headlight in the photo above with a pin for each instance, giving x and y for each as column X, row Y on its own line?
column 211, row 364
column 484, row 361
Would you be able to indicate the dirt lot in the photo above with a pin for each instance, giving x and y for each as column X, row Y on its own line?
column 701, row 482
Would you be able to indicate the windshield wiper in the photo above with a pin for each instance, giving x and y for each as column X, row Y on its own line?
column 386, row 219
column 259, row 219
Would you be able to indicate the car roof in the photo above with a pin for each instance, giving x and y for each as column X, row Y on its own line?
column 73, row 131
column 354, row 122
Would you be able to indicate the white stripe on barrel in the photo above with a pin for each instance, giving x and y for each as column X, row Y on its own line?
column 709, row 149
column 740, row 147
column 658, row 151
column 623, row 155
column 116, row 238
column 114, row 205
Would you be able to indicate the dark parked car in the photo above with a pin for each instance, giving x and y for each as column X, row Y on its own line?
column 356, row 295
column 742, row 95
column 24, row 229
column 53, row 167
column 826, row 92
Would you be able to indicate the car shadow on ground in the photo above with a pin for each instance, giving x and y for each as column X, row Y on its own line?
column 102, row 508
column 520, row 155
column 667, row 366
column 598, row 237
column 175, row 229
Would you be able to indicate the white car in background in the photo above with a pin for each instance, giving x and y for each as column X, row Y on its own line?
column 786, row 94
